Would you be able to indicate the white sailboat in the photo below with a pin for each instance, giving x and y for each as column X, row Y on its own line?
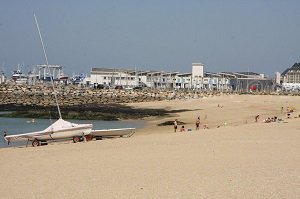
column 61, row 129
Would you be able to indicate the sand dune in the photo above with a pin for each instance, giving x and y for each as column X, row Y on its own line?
column 242, row 159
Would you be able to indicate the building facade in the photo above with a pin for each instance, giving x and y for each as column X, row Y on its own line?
column 250, row 81
column 112, row 77
column 290, row 79
column 292, row 75
column 198, row 79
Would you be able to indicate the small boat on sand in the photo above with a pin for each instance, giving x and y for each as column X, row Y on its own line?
column 108, row 133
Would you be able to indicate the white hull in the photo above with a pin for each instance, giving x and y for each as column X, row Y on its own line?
column 113, row 132
column 20, row 81
column 68, row 133
column 61, row 129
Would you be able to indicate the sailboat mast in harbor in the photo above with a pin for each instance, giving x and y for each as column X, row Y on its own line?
column 47, row 63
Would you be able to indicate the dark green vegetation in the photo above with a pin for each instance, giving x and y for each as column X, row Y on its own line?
column 107, row 112
column 169, row 123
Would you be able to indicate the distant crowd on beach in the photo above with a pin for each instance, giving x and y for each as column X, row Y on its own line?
column 197, row 125
column 289, row 111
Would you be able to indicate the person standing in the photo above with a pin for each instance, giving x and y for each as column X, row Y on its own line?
column 4, row 135
column 256, row 118
column 198, row 123
column 175, row 125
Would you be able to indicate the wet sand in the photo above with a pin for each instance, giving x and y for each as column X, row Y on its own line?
column 235, row 158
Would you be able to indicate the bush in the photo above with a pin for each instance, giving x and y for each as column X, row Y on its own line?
column 170, row 123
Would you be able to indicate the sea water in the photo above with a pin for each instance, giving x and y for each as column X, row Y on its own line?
column 26, row 125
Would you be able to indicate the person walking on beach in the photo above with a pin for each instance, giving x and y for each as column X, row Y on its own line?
column 198, row 123
column 4, row 135
column 175, row 125
column 256, row 118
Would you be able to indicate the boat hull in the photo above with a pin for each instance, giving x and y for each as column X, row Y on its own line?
column 113, row 132
column 67, row 133
column 66, row 130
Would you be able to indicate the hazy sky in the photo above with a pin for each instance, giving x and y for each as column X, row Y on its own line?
column 167, row 35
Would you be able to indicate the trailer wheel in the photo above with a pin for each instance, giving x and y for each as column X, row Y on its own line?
column 76, row 139
column 88, row 137
column 35, row 143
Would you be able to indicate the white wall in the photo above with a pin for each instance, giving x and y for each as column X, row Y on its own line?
column 277, row 78
column 197, row 70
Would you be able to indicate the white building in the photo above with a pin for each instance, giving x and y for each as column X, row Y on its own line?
column 197, row 70
column 197, row 75
column 198, row 79
column 113, row 77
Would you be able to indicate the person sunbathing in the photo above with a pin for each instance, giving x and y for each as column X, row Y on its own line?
column 182, row 129
column 267, row 120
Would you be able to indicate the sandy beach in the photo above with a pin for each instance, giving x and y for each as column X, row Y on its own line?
column 235, row 158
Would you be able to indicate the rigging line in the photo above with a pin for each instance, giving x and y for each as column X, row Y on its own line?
column 46, row 59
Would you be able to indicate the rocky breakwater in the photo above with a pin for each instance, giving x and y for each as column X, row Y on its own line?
column 84, row 103
column 43, row 95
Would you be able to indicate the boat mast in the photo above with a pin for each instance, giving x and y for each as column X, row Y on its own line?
column 46, row 59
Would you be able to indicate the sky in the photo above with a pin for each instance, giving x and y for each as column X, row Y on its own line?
column 261, row 36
